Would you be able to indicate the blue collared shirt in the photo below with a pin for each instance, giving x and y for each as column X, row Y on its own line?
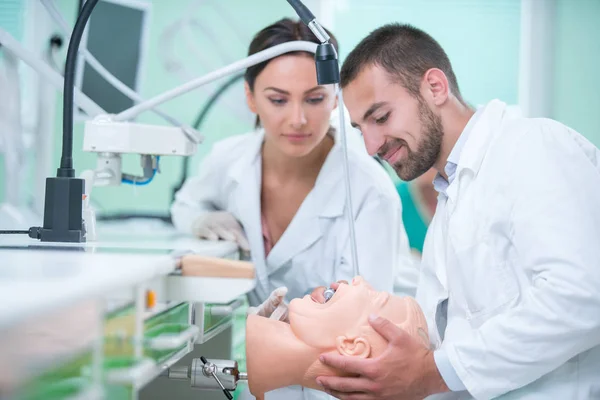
column 440, row 184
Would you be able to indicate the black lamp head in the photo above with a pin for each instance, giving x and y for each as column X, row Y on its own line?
column 326, row 58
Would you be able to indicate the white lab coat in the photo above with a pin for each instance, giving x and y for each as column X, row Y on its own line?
column 515, row 247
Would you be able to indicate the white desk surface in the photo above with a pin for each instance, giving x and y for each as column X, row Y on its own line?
column 37, row 277
column 133, row 236
column 34, row 282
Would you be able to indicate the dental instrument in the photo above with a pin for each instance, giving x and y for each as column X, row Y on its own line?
column 328, row 294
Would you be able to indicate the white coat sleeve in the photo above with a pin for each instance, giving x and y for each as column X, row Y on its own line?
column 199, row 194
column 555, row 230
column 382, row 244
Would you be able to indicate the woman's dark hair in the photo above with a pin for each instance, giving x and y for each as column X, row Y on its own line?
column 283, row 31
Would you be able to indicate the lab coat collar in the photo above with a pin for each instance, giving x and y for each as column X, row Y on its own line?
column 239, row 170
column 482, row 133
column 325, row 200
column 301, row 233
column 246, row 174
column 330, row 184
column 440, row 183
column 485, row 125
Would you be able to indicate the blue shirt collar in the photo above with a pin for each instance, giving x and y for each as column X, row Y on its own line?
column 440, row 183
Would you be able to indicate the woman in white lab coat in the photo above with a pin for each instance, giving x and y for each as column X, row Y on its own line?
column 279, row 191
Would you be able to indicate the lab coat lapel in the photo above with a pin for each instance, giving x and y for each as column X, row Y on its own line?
column 323, row 201
column 486, row 128
column 246, row 174
column 303, row 231
column 433, row 287
column 483, row 132
column 438, row 254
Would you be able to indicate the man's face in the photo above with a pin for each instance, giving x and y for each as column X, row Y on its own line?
column 399, row 127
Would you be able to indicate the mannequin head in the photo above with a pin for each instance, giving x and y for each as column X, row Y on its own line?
column 342, row 322
column 340, row 325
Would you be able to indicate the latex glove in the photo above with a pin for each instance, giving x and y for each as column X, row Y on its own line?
column 274, row 307
column 222, row 225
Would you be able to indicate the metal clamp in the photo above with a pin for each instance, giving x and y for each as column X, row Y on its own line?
column 209, row 374
column 210, row 369
column 212, row 374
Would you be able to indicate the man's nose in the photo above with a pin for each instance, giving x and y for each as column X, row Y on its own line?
column 297, row 116
column 373, row 141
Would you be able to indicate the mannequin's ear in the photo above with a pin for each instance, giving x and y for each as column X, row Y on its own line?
column 249, row 98
column 354, row 347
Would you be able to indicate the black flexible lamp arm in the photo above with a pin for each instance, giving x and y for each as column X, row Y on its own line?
column 303, row 12
column 66, row 161
column 326, row 58
column 309, row 20
column 63, row 200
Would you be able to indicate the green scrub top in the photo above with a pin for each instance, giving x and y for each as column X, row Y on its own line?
column 414, row 221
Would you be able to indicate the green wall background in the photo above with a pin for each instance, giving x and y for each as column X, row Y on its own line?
column 481, row 38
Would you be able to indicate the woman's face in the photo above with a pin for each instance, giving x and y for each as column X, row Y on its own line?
column 293, row 109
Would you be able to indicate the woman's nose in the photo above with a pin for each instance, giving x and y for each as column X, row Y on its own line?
column 297, row 116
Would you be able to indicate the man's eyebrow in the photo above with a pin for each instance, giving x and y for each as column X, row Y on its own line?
column 372, row 109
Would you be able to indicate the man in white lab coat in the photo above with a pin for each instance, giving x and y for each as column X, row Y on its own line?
column 510, row 280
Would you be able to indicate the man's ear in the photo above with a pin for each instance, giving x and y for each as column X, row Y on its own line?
column 353, row 347
column 249, row 98
column 436, row 87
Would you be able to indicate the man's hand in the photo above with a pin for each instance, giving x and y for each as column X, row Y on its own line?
column 317, row 294
column 405, row 370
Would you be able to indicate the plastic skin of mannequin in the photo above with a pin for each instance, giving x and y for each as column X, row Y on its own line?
column 280, row 354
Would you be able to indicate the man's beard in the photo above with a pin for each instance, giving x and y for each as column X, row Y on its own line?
column 428, row 151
